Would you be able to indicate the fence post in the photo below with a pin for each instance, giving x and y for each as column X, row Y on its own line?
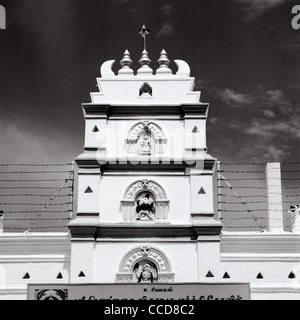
column 274, row 190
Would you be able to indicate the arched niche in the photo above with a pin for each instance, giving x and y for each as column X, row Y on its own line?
column 138, row 255
column 143, row 134
column 129, row 202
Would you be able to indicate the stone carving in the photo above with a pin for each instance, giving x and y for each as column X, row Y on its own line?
column 146, row 144
column 132, row 265
column 146, row 88
column 145, row 206
column 145, row 185
column 146, row 271
column 145, row 126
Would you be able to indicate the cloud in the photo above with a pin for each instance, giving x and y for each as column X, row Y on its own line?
column 261, row 153
column 275, row 99
column 256, row 8
column 269, row 114
column 22, row 143
column 166, row 30
column 234, row 99
column 166, row 9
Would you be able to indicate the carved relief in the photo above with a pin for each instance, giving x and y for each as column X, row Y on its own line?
column 142, row 185
column 145, row 264
column 146, row 138
column 145, row 200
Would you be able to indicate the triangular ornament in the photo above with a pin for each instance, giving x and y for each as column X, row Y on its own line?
column 26, row 276
column 201, row 191
column 59, row 276
column 195, row 130
column 226, row 276
column 95, row 129
column 259, row 276
column 292, row 275
column 81, row 275
column 209, row 275
column 88, row 190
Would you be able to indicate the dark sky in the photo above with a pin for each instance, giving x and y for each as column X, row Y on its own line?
column 244, row 55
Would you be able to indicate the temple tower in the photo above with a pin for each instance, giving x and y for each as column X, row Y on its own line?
column 146, row 202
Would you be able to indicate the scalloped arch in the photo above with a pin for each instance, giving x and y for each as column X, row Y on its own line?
column 145, row 253
column 145, row 185
column 141, row 126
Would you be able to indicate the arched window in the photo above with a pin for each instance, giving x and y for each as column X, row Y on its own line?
column 145, row 200
column 146, row 138
column 145, row 264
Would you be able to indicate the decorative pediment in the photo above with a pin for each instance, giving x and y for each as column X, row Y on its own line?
column 145, row 253
column 145, row 185
column 142, row 126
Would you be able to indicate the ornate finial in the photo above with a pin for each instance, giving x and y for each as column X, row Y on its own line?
column 144, row 32
column 126, row 62
column 163, row 63
column 145, row 62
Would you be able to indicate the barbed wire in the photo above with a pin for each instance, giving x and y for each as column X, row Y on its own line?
column 35, row 165
column 31, row 195
column 37, row 211
column 31, row 204
column 36, row 187
column 32, row 180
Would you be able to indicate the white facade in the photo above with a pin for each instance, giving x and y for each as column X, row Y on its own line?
column 146, row 134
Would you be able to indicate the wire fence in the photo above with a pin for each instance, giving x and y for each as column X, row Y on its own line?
column 243, row 195
column 36, row 197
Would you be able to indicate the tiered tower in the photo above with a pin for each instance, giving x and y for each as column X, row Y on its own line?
column 146, row 205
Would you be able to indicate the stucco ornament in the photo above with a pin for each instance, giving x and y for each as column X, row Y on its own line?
column 145, row 207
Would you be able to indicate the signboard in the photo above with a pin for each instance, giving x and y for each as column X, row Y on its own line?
column 128, row 291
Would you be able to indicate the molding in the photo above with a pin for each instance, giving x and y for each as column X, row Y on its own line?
column 274, row 288
column 143, row 231
column 87, row 214
column 259, row 243
column 256, row 257
column 43, row 258
column 110, row 110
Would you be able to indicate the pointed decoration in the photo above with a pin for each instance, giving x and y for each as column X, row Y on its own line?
column 81, row 275
column 202, row 191
column 163, row 63
column 226, row 276
column 26, row 276
column 292, row 275
column 59, row 276
column 195, row 130
column 209, row 275
column 95, row 129
column 126, row 63
column 88, row 190
column 259, row 276
column 144, row 62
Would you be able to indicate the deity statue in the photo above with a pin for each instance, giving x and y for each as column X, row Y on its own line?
column 146, row 273
column 146, row 145
column 145, row 206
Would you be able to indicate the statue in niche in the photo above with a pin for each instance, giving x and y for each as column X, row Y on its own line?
column 146, row 144
column 145, row 207
column 145, row 271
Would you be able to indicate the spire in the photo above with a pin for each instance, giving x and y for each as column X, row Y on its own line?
column 126, row 63
column 163, row 63
column 145, row 62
